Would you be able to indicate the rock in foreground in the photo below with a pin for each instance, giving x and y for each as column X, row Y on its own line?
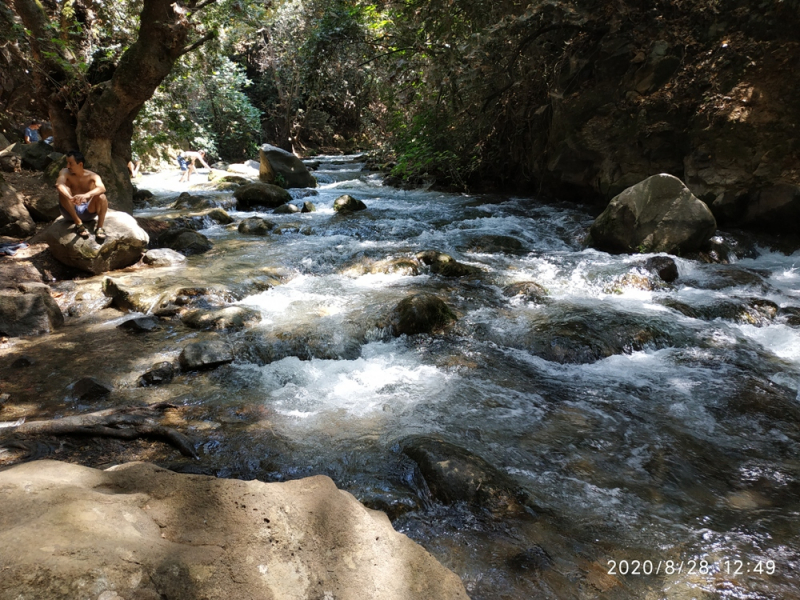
column 658, row 214
column 125, row 245
column 139, row 531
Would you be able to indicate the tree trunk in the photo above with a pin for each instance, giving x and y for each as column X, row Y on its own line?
column 103, row 126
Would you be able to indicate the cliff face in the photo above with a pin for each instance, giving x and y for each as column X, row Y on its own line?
column 710, row 97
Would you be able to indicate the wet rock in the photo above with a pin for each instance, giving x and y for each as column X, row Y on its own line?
column 658, row 214
column 305, row 193
column 456, row 475
column 142, row 196
column 663, row 266
column 28, row 314
column 280, row 167
column 635, row 280
column 232, row 317
column 286, row 209
column 303, row 343
column 124, row 246
column 348, row 204
column 308, row 207
column 261, row 194
column 15, row 220
column 163, row 257
column 255, row 226
column 791, row 315
column 187, row 200
column 185, row 241
column 23, row 362
column 87, row 389
column 445, row 265
column 529, row 290
column 205, row 355
column 160, row 373
column 168, row 535
column 140, row 325
column 493, row 244
column 127, row 297
column 421, row 313
column 219, row 215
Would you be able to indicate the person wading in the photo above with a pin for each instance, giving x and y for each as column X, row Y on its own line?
column 186, row 161
column 82, row 196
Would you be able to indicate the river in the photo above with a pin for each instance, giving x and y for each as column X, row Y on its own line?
column 656, row 425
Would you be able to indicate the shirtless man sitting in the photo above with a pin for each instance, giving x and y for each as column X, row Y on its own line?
column 82, row 196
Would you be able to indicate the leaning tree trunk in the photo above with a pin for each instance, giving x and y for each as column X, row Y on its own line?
column 103, row 126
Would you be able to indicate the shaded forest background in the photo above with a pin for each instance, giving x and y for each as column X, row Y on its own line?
column 580, row 97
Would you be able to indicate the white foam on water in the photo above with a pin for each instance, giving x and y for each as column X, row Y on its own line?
column 781, row 340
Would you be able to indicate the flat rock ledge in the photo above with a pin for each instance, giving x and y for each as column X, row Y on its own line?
column 140, row 532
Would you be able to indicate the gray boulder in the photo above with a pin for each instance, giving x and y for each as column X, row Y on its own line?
column 261, row 194
column 124, row 246
column 278, row 165
column 205, row 355
column 255, row 226
column 28, row 314
column 87, row 389
column 186, row 241
column 162, row 372
column 348, row 204
column 43, row 207
column 286, row 209
column 34, row 156
column 163, row 257
column 658, row 214
column 15, row 220
column 308, row 207
column 445, row 265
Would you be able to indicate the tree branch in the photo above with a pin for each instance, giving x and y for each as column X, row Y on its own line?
column 198, row 43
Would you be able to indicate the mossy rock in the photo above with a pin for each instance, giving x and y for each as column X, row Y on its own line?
column 421, row 313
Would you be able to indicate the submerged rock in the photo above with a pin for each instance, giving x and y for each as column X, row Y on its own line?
column 232, row 317
column 140, row 325
column 163, row 257
column 421, row 313
column 124, row 246
column 87, row 389
column 162, row 372
column 168, row 535
column 286, row 209
column 186, row 241
column 496, row 243
column 278, row 166
column 445, row 265
column 205, row 355
column 456, row 475
column 261, row 194
column 348, row 204
column 658, row 214
column 530, row 290
column 255, row 226
column 29, row 314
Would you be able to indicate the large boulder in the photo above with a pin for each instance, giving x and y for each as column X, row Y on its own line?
column 261, row 194
column 186, row 241
column 421, row 313
column 138, row 531
column 658, row 214
column 34, row 156
column 15, row 220
column 348, row 204
column 43, row 206
column 281, row 167
column 124, row 246
column 28, row 314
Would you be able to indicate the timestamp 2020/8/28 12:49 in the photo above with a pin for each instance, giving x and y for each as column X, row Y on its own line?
column 692, row 566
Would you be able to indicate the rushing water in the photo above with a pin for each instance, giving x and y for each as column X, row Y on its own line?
column 680, row 445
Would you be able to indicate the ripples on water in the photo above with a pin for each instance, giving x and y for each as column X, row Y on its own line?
column 681, row 445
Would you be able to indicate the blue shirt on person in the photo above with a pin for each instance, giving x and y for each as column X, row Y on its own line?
column 32, row 135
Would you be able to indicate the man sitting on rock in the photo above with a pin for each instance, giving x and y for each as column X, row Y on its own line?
column 82, row 196
column 32, row 132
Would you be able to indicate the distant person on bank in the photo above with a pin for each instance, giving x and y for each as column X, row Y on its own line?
column 186, row 161
column 32, row 132
column 134, row 164
column 82, row 196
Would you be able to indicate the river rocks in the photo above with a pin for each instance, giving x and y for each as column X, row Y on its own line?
column 141, row 196
column 187, row 200
column 308, row 207
column 421, row 313
column 455, row 475
column 248, row 168
column 283, row 168
column 496, row 243
column 160, row 373
column 255, row 226
column 529, row 290
column 124, row 246
column 28, row 314
column 139, row 325
column 138, row 531
column 261, row 194
column 347, row 204
column 232, row 317
column 219, row 215
column 658, row 214
column 15, row 220
column 163, row 257
column 88, row 389
column 663, row 266
column 205, row 355
column 186, row 241
column 286, row 209
column 33, row 156
column 129, row 297
column 445, row 265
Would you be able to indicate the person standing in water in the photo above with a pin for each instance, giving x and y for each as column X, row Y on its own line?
column 186, row 161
